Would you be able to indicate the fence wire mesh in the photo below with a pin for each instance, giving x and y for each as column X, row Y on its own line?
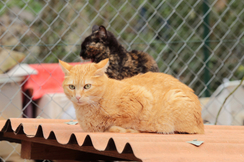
column 200, row 42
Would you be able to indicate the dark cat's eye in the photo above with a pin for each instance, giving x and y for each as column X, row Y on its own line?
column 87, row 86
column 71, row 86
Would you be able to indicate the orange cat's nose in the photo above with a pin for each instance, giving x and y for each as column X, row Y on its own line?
column 78, row 97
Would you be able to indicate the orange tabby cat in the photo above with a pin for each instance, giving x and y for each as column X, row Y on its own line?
column 150, row 102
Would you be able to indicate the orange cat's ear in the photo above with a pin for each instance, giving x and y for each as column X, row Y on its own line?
column 101, row 67
column 65, row 67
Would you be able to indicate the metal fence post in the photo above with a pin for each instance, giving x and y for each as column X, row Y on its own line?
column 206, row 45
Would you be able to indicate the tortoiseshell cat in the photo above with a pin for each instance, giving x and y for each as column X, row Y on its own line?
column 102, row 44
column 150, row 102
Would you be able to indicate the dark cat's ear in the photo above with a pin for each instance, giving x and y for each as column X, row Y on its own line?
column 65, row 67
column 95, row 28
column 101, row 67
column 102, row 32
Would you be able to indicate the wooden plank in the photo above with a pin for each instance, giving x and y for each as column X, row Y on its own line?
column 10, row 139
column 26, row 150
column 74, row 147
column 37, row 151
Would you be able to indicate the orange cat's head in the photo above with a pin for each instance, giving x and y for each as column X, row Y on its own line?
column 85, row 83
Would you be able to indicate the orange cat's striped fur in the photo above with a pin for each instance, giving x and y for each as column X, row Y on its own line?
column 150, row 102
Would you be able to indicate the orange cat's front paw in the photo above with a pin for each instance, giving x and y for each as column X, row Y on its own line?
column 117, row 129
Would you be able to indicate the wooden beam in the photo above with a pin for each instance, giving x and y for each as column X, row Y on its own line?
column 37, row 151
column 10, row 139
column 53, row 142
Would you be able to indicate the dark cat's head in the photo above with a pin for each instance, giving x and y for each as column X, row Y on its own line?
column 98, row 43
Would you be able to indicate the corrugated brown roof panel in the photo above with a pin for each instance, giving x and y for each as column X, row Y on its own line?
column 221, row 143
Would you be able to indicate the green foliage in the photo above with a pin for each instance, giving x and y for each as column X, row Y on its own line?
column 29, row 5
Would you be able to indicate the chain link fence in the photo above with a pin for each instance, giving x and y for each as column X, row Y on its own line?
column 200, row 42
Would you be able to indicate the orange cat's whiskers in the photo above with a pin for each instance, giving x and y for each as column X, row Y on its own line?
column 93, row 104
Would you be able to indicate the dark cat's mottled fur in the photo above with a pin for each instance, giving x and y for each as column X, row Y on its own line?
column 102, row 44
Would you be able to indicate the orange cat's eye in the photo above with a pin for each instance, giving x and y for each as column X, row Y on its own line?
column 87, row 86
column 71, row 86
